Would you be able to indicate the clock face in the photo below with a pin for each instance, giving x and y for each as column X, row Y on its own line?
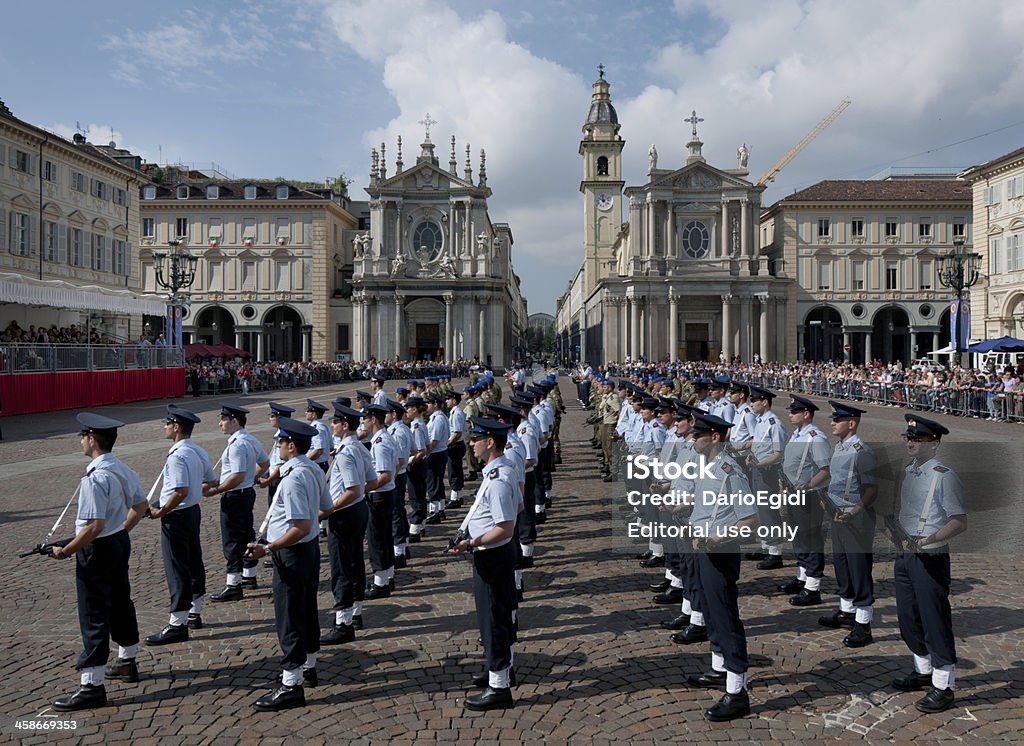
column 604, row 201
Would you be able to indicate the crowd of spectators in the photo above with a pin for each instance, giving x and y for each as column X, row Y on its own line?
column 70, row 335
column 995, row 394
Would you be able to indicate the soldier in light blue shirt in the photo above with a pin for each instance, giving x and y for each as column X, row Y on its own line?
column 110, row 500
column 320, row 449
column 489, row 527
column 851, row 495
column 416, row 485
column 931, row 512
column 292, row 543
column 764, row 455
column 186, row 471
column 438, row 433
column 401, row 435
column 380, row 537
column 456, row 448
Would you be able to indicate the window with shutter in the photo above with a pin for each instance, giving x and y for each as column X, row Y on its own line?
column 62, row 243
column 108, row 254
column 3, row 230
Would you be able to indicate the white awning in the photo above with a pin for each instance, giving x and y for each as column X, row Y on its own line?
column 60, row 294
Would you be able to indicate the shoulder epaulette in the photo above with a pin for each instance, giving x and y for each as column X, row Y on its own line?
column 858, row 446
column 492, row 474
column 941, row 469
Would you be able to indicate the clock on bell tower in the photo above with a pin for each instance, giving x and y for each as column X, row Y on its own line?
column 601, row 149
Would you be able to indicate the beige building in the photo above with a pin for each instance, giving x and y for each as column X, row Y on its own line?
column 863, row 255
column 432, row 275
column 998, row 195
column 683, row 277
column 69, row 232
column 271, row 260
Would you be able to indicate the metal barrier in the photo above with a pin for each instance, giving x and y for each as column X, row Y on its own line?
column 44, row 358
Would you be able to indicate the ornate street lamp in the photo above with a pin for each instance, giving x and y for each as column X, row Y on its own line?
column 958, row 271
column 175, row 271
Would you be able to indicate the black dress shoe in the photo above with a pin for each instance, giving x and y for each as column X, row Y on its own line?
column 859, row 636
column 357, row 621
column 89, row 695
column 671, row 596
column 806, row 598
column 230, row 593
column 607, row 478
column 250, row 583
column 414, row 538
column 690, row 634
column 309, row 677
column 519, row 595
column 284, row 698
column 542, row 517
column 644, row 555
column 661, row 587
column 936, row 700
column 123, row 669
column 339, row 633
column 771, row 562
column 729, row 707
column 914, row 682
column 195, row 621
column 525, row 563
column 793, row 587
column 653, row 561
column 837, row 620
column 377, row 591
column 401, row 562
column 490, row 699
column 391, row 585
column 755, row 555
column 709, row 680
column 168, row 635
column 679, row 622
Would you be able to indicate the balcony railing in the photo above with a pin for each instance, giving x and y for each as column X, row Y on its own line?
column 47, row 358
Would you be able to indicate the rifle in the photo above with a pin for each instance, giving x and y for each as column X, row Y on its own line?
column 44, row 549
column 44, row 546
column 898, row 535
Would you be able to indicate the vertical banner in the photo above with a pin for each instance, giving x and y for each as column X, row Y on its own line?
column 959, row 324
column 177, row 327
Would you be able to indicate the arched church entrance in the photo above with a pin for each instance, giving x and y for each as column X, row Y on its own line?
column 425, row 326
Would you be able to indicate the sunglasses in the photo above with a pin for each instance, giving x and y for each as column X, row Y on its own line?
column 282, row 441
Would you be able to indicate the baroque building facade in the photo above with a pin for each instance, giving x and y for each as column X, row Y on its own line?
column 69, row 232
column 997, row 301
column 864, row 257
column 683, row 278
column 432, row 276
column 265, row 275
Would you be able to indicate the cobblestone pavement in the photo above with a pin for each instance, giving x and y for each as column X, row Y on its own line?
column 593, row 663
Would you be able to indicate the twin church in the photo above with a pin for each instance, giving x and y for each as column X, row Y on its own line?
column 682, row 276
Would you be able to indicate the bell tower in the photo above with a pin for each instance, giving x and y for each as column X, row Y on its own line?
column 601, row 149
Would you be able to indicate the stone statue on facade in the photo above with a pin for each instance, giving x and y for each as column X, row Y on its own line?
column 742, row 155
column 398, row 265
column 357, row 247
column 652, row 158
column 481, row 244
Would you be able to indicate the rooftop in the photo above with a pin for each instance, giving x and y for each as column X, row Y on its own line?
column 897, row 190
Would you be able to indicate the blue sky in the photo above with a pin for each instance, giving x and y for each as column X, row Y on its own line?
column 304, row 89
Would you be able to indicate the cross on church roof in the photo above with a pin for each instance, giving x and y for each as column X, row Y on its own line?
column 600, row 71
column 427, row 122
column 693, row 119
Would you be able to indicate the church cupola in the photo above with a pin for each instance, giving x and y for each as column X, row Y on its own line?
column 602, row 114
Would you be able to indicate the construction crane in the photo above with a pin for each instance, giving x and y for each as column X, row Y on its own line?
column 795, row 150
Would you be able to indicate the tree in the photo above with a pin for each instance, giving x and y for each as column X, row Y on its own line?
column 549, row 340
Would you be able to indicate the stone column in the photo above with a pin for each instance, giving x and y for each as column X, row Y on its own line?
column 727, row 326
column 634, row 331
column 259, row 344
column 764, row 348
column 867, row 347
column 800, row 346
column 935, row 341
column 847, row 354
column 673, row 324
column 305, row 346
column 670, row 240
column 369, row 306
column 745, row 328
column 744, row 228
column 356, row 330
column 913, row 343
column 723, row 248
column 238, row 339
column 652, row 233
column 449, row 327
column 482, row 331
column 399, row 301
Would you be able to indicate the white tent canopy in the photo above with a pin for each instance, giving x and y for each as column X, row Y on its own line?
column 60, row 294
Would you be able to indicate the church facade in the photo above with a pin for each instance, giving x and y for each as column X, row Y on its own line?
column 431, row 274
column 684, row 277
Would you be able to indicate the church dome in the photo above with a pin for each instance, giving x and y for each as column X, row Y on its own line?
column 601, row 109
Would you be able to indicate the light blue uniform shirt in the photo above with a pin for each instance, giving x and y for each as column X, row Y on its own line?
column 302, row 494
column 437, row 427
column 420, row 441
column 852, row 469
column 769, row 436
column 402, row 438
column 515, row 452
column 188, row 466
column 352, row 467
column 708, row 514
column 457, row 423
column 807, row 453
column 108, row 490
column 931, row 494
column 241, row 456
column 382, row 451
column 495, row 501
column 744, row 422
column 528, row 437
column 321, row 440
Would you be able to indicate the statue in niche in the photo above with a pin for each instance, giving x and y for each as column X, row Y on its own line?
column 481, row 244
column 398, row 265
column 742, row 155
column 652, row 158
column 357, row 247
column 367, row 244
